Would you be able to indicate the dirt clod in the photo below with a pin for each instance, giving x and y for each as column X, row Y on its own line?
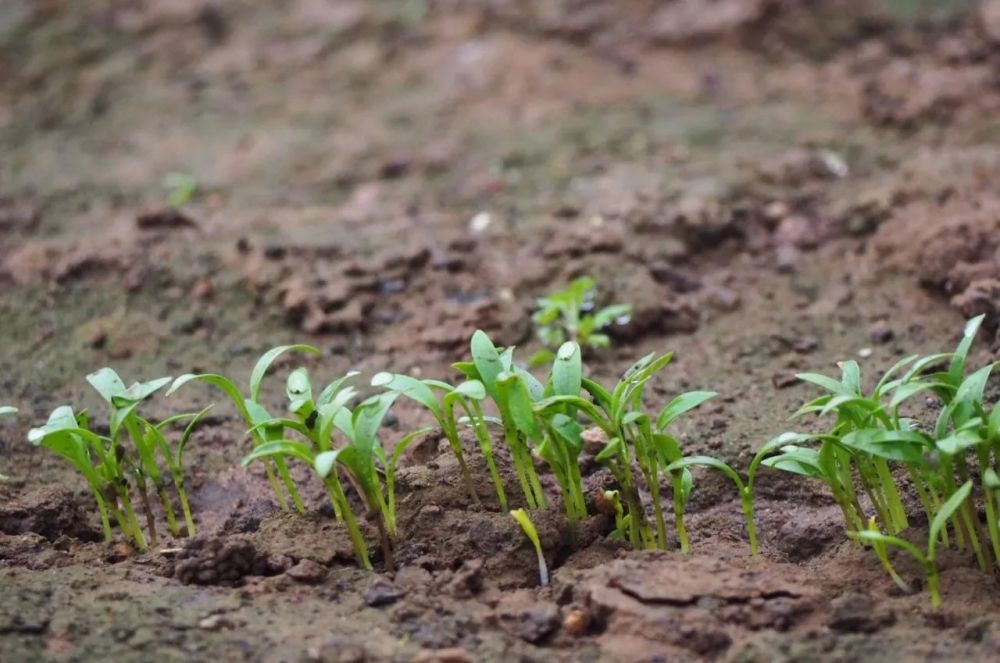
column 539, row 622
column 855, row 612
column 381, row 592
column 307, row 571
column 217, row 561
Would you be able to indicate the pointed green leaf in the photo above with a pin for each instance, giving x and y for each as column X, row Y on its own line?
column 944, row 513
column 567, row 370
column 268, row 358
column 680, row 405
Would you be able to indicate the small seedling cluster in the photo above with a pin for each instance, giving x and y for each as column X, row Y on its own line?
column 571, row 315
column 869, row 458
column 871, row 449
column 122, row 464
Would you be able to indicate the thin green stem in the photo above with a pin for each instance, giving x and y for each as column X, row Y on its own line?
column 279, row 494
column 336, row 491
column 286, row 478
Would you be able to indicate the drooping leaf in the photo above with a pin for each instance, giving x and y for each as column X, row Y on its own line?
column 268, row 358
column 332, row 389
column 680, row 405
column 706, row 461
column 106, row 382
column 292, row 448
column 139, row 391
column 411, row 388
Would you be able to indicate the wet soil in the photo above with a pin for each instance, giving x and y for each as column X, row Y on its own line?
column 774, row 186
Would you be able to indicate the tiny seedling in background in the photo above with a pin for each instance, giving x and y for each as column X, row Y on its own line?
column 181, row 188
column 570, row 315
column 522, row 518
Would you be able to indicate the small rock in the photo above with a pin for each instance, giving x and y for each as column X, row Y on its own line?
column 446, row 655
column 480, row 222
column 164, row 219
column 723, row 299
column 857, row 613
column 576, row 622
column 381, row 592
column 594, row 440
column 98, row 339
column 202, row 289
column 468, row 580
column 539, row 622
column 786, row 258
column 805, row 345
column 865, row 353
column 214, row 623
column 307, row 571
column 881, row 332
column 413, row 577
column 783, row 379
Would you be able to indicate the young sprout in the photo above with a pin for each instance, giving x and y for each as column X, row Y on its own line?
column 316, row 420
column 870, row 436
column 174, row 458
column 425, row 392
column 99, row 460
column 929, row 559
column 569, row 315
column 180, row 187
column 522, row 518
column 503, row 382
column 254, row 414
column 551, row 429
column 124, row 420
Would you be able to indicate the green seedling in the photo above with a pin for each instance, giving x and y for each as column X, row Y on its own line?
column 524, row 520
column 316, row 420
column 635, row 437
column 870, row 437
column 512, row 389
column 174, row 457
column 570, row 315
column 440, row 399
column 123, row 403
column 929, row 559
column 97, row 459
column 254, row 414
column 181, row 188
column 613, row 498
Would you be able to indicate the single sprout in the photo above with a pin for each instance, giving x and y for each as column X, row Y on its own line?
column 254, row 415
column 522, row 518
column 570, row 315
column 181, row 188
column 467, row 396
column 929, row 559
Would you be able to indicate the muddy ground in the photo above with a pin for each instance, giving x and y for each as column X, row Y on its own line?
column 775, row 185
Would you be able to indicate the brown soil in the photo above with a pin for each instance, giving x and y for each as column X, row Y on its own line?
column 774, row 185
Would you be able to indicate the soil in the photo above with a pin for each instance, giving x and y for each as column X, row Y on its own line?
column 774, row 185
